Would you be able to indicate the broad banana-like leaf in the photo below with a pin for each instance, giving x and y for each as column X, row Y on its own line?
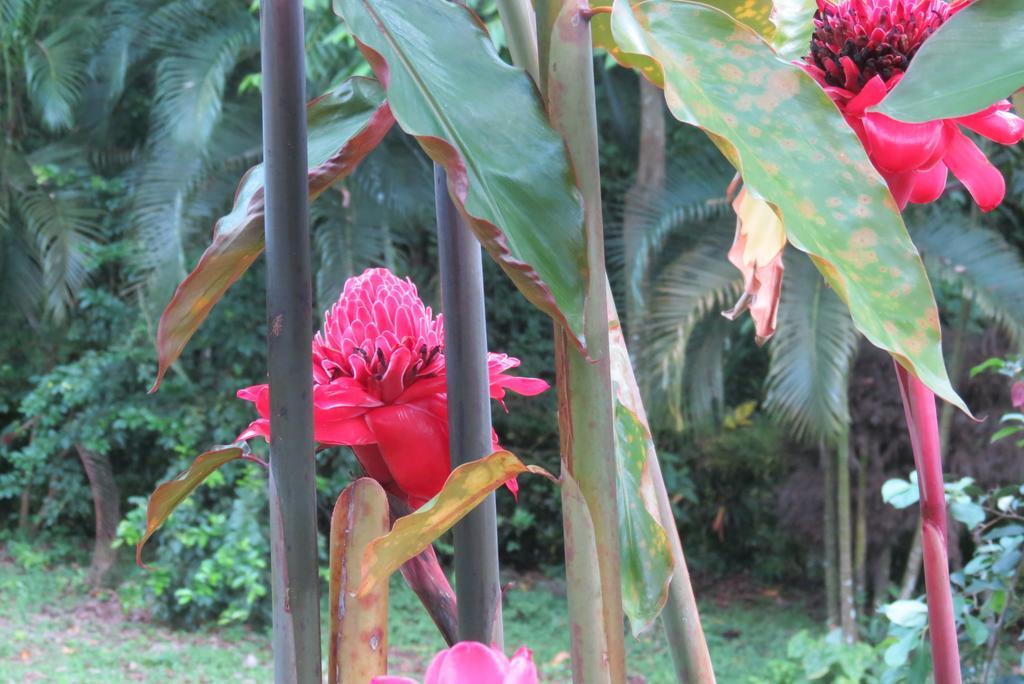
column 974, row 60
column 166, row 497
column 754, row 13
column 793, row 148
column 344, row 126
column 357, row 649
column 482, row 120
column 465, row 488
column 644, row 545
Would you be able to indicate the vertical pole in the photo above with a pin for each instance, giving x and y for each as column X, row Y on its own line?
column 295, row 581
column 477, row 586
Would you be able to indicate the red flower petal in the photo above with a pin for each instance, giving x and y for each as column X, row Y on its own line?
column 895, row 146
column 345, row 432
column 343, row 391
column 996, row 125
column 369, row 457
column 393, row 381
column 873, row 92
column 413, row 441
column 257, row 428
column 423, row 388
column 468, row 661
column 929, row 185
column 259, row 395
column 527, row 387
column 521, row 669
column 975, row 171
column 901, row 185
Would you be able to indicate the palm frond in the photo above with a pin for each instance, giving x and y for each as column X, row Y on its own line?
column 811, row 355
column 55, row 71
column 981, row 265
column 191, row 78
column 64, row 231
column 697, row 283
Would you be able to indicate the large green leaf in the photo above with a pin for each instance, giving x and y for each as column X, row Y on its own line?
column 644, row 545
column 482, row 120
column 357, row 645
column 974, row 60
column 757, row 14
column 794, row 149
column 345, row 125
column 168, row 495
column 465, row 488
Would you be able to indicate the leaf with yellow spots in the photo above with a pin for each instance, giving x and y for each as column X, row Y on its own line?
column 757, row 14
column 805, row 160
column 644, row 544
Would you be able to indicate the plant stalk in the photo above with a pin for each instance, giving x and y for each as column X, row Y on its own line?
column 680, row 617
column 520, row 24
column 295, row 581
column 956, row 364
column 923, row 424
column 586, row 409
column 477, row 584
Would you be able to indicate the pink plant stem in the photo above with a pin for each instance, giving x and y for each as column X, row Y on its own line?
column 923, row 424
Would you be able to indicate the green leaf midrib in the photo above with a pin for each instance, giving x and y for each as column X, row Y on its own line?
column 448, row 127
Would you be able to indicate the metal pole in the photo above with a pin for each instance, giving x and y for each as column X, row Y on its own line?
column 477, row 586
column 295, row 582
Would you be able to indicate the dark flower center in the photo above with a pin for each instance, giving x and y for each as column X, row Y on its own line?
column 856, row 40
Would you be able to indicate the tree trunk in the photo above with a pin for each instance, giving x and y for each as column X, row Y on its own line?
column 860, row 552
column 107, row 504
column 23, row 510
column 829, row 537
column 847, row 606
column 912, row 571
column 650, row 180
column 880, row 576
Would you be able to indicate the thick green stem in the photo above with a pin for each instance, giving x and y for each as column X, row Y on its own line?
column 680, row 617
column 586, row 415
column 295, row 580
column 517, row 17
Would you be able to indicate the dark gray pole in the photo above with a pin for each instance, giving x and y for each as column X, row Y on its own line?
column 295, row 582
column 477, row 586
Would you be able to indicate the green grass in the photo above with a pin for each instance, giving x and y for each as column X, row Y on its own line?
column 54, row 630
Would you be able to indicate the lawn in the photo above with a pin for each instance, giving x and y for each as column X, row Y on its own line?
column 52, row 629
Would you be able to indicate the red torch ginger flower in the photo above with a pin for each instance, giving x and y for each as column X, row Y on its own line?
column 470, row 662
column 859, row 51
column 379, row 385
